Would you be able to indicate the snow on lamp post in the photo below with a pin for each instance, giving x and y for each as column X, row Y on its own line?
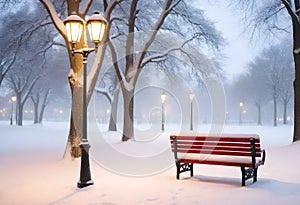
column 241, row 108
column 75, row 27
column 12, row 99
column 163, row 99
column 192, row 95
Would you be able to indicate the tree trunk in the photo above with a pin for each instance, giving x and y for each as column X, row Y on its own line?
column 20, row 114
column 297, row 99
column 113, row 114
column 275, row 111
column 128, row 114
column 75, row 131
column 296, row 38
column 258, row 106
column 285, row 103
column 36, row 115
column 73, row 143
column 41, row 115
column 36, row 108
column 17, row 112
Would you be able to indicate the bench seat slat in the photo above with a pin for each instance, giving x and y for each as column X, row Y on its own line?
column 224, row 163
column 207, row 143
column 227, row 138
column 214, row 152
column 224, row 148
column 228, row 160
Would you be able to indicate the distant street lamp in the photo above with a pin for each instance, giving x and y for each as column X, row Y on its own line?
column 241, row 110
column 192, row 95
column 75, row 27
column 163, row 99
column 12, row 99
column 108, row 114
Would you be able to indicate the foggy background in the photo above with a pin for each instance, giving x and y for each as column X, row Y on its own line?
column 235, row 68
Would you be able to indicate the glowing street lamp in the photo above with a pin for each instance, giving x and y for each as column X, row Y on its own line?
column 108, row 114
column 75, row 27
column 192, row 95
column 241, row 110
column 163, row 99
column 12, row 99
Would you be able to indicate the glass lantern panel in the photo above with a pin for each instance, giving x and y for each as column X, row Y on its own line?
column 96, row 30
column 74, row 31
column 163, row 97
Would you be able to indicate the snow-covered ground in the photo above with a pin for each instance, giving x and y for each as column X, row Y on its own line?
column 141, row 172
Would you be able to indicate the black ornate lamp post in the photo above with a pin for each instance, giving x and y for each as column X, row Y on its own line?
column 75, row 26
column 192, row 95
column 163, row 99
column 12, row 100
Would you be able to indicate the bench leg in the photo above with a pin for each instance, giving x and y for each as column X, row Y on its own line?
column 255, row 175
column 178, row 171
column 183, row 167
column 243, row 175
column 248, row 174
column 192, row 169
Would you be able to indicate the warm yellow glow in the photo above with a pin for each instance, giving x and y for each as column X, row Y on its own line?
column 96, row 31
column 163, row 97
column 13, row 98
column 74, row 27
column 96, row 26
column 74, row 31
column 192, row 95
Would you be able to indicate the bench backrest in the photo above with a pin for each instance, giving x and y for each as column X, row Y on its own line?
column 226, row 144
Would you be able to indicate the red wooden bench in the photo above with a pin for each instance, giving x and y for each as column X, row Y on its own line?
column 241, row 150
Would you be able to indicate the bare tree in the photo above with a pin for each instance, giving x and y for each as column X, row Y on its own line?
column 165, row 19
column 11, row 39
column 22, row 87
column 271, row 69
column 21, row 39
column 108, row 86
column 268, row 78
column 271, row 16
column 36, row 98
column 251, row 87
column 286, row 93
column 287, row 73
column 5, row 65
column 278, row 69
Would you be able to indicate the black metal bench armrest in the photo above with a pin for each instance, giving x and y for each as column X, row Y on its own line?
column 175, row 148
column 263, row 155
